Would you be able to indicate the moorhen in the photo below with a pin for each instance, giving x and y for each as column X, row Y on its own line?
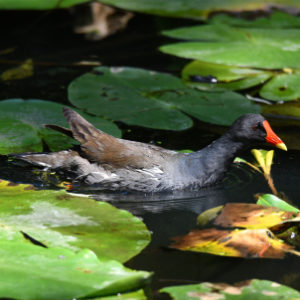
column 109, row 163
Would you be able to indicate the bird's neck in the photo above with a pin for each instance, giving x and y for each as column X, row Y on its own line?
column 211, row 163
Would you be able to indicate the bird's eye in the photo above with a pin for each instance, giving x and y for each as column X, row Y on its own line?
column 257, row 126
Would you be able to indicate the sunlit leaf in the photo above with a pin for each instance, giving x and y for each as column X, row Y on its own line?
column 22, row 126
column 252, row 289
column 272, row 200
column 151, row 99
column 57, row 273
column 264, row 159
column 250, row 243
column 59, row 219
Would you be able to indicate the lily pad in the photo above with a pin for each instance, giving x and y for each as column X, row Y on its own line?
column 244, row 47
column 22, row 126
column 152, row 99
column 283, row 87
column 278, row 19
column 37, row 4
column 252, row 289
column 240, row 57
column 59, row 219
column 57, row 273
column 198, row 8
column 226, row 77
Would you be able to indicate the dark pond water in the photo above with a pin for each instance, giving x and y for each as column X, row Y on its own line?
column 48, row 38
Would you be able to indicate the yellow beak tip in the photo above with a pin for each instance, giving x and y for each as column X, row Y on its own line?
column 281, row 146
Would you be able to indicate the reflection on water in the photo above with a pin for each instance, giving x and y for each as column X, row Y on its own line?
column 173, row 214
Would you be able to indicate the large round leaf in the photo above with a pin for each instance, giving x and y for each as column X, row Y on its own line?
column 22, row 126
column 209, row 76
column 37, row 4
column 282, row 87
column 254, row 289
column 152, row 99
column 251, row 47
column 33, row 272
column 58, row 219
column 197, row 8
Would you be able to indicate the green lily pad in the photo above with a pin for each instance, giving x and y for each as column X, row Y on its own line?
column 253, row 289
column 57, row 273
column 278, row 19
column 283, row 87
column 22, row 126
column 59, row 219
column 272, row 200
column 226, row 77
column 151, row 99
column 37, row 4
column 198, row 8
column 258, row 52
column 138, row 295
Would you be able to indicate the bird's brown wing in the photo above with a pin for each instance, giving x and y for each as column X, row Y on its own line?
column 105, row 149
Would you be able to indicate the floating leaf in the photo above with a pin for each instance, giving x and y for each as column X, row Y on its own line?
column 246, row 215
column 228, row 50
column 244, row 47
column 257, row 239
column 59, row 219
column 272, row 200
column 198, row 8
column 37, row 4
column 151, row 99
column 250, row 243
column 283, row 87
column 57, row 273
column 252, row 289
column 226, row 77
column 22, row 126
column 278, row 19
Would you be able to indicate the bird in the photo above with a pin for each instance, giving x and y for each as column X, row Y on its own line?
column 104, row 162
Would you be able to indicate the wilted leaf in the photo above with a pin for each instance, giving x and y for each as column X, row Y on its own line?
column 59, row 219
column 252, row 289
column 22, row 126
column 250, row 243
column 151, row 99
column 251, row 216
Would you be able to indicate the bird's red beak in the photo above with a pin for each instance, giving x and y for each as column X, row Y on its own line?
column 272, row 138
